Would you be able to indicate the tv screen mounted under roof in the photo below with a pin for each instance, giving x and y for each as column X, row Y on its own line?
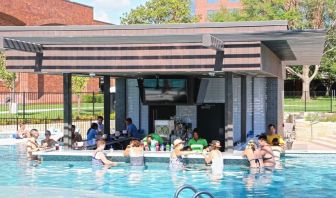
column 164, row 91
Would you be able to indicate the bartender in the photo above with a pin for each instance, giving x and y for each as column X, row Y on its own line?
column 197, row 143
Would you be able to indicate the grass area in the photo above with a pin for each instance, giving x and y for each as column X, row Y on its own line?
column 54, row 111
column 318, row 104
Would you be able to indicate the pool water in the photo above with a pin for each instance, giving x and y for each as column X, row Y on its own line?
column 300, row 176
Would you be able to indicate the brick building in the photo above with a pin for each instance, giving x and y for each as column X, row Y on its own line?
column 204, row 8
column 50, row 12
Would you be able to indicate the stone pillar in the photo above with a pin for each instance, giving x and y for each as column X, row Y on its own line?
column 228, row 112
column 107, row 105
column 243, row 111
column 274, row 103
column 120, row 107
column 67, row 107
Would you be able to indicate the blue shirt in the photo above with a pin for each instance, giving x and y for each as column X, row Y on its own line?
column 131, row 128
column 91, row 134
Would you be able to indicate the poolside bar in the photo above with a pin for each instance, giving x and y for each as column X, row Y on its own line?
column 224, row 78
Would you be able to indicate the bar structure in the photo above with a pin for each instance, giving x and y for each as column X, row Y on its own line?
column 224, row 78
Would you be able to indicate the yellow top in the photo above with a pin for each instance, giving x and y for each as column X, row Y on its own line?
column 271, row 137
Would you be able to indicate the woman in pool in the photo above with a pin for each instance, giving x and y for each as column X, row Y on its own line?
column 99, row 158
column 135, row 151
column 252, row 156
column 215, row 158
column 265, row 151
column 176, row 160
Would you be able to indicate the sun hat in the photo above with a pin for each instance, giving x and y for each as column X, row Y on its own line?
column 215, row 143
column 177, row 142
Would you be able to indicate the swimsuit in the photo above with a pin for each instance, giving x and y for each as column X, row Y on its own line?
column 217, row 165
column 97, row 162
column 176, row 162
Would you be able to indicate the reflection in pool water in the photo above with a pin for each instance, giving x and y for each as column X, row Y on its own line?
column 308, row 175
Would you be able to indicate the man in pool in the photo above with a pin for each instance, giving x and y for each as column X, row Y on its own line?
column 48, row 142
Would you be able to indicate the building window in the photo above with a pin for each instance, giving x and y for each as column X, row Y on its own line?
column 212, row 1
column 210, row 13
column 233, row 1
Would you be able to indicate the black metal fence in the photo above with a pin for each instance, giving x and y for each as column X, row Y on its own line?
column 314, row 101
column 45, row 110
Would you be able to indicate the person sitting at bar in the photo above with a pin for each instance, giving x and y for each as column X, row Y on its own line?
column 99, row 158
column 135, row 151
column 131, row 129
column 23, row 132
column 197, row 143
column 271, row 134
column 100, row 124
column 151, row 140
column 48, row 142
column 76, row 136
column 92, row 133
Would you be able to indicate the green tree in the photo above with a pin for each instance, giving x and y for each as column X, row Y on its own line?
column 7, row 77
column 160, row 12
column 301, row 14
column 78, row 85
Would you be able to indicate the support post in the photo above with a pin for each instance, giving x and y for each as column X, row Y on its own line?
column 67, row 107
column 228, row 112
column 107, row 105
column 243, row 109
column 120, row 107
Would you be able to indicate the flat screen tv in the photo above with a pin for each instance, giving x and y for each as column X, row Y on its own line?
column 164, row 90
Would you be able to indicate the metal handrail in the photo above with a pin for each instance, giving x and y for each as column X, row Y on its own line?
column 203, row 192
column 185, row 186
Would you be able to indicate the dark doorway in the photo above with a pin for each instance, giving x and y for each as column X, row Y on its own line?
column 158, row 112
column 210, row 122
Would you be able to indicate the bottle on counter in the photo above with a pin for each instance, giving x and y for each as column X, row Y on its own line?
column 157, row 146
column 171, row 147
column 162, row 148
column 167, row 147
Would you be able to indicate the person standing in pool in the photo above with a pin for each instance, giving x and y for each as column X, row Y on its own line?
column 265, row 151
column 215, row 158
column 99, row 158
column 135, row 151
column 176, row 161
column 252, row 156
column 32, row 145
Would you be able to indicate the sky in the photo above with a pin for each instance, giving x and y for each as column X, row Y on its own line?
column 110, row 10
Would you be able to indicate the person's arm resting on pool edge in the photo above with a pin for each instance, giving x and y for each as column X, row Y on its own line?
column 103, row 158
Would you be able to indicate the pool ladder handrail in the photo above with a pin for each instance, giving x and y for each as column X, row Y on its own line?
column 197, row 193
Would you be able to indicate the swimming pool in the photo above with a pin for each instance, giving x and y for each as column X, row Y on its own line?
column 301, row 176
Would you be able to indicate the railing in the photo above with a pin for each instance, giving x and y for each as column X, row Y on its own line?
column 314, row 101
column 45, row 110
column 196, row 192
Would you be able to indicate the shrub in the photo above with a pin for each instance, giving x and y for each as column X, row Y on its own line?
column 90, row 98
